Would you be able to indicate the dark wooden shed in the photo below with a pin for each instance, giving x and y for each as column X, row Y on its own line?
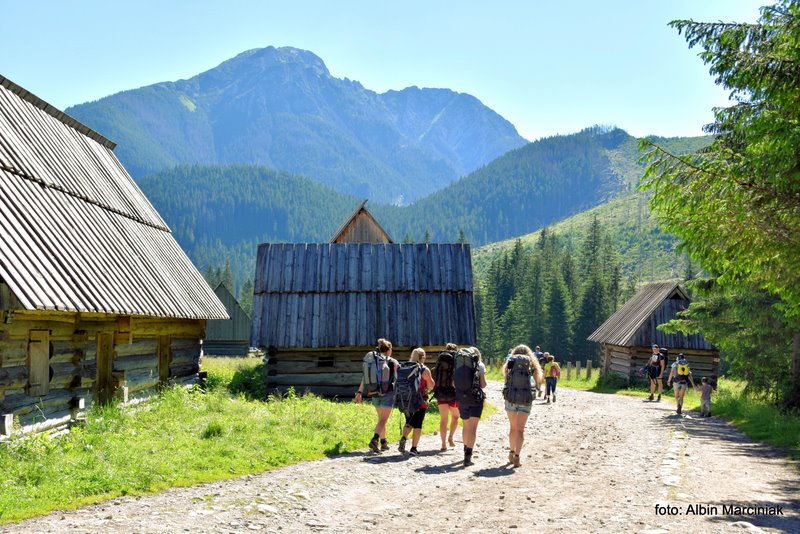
column 229, row 337
column 97, row 300
column 628, row 335
column 318, row 308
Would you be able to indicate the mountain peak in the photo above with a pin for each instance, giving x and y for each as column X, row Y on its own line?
column 270, row 57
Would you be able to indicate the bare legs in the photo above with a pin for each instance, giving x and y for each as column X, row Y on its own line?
column 447, row 411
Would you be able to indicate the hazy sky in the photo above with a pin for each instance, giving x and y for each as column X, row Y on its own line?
column 549, row 67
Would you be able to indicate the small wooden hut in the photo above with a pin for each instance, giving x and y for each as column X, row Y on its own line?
column 628, row 335
column 97, row 300
column 318, row 308
column 229, row 337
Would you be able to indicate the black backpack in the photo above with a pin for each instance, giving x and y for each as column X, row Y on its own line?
column 517, row 389
column 445, row 389
column 407, row 395
column 467, row 379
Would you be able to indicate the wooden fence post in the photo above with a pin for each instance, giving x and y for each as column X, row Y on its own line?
column 588, row 369
column 569, row 370
column 578, row 370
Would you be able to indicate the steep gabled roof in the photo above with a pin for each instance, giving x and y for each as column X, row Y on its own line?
column 76, row 232
column 621, row 328
column 361, row 227
column 351, row 294
column 235, row 329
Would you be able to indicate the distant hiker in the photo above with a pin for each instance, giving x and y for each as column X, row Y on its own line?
column 518, row 372
column 705, row 397
column 655, row 370
column 682, row 375
column 469, row 377
column 377, row 382
column 415, row 419
column 445, row 393
column 539, row 355
column 551, row 373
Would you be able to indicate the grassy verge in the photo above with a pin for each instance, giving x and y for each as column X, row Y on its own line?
column 180, row 438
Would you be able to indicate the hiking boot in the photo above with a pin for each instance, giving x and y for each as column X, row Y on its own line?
column 650, row 397
column 384, row 446
column 468, row 461
column 659, row 398
column 402, row 445
column 515, row 461
column 547, row 398
column 413, row 451
column 554, row 397
column 679, row 410
column 511, row 457
column 374, row 447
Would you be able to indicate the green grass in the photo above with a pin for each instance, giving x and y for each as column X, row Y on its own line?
column 183, row 437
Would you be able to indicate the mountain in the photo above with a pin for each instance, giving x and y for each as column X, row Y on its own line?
column 223, row 212
column 281, row 108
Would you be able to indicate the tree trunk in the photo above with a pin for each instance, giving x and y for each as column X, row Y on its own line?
column 794, row 395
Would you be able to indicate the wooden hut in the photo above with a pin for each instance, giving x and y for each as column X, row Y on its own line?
column 629, row 334
column 97, row 300
column 318, row 308
column 229, row 337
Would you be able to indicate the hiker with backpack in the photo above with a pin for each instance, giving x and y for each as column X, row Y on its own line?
column 379, row 371
column 469, row 378
column 681, row 375
column 445, row 393
column 411, row 397
column 655, row 370
column 551, row 373
column 539, row 355
column 520, row 368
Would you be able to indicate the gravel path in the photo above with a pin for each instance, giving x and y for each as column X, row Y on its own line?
column 591, row 463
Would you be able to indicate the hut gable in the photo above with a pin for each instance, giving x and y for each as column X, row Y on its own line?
column 231, row 337
column 349, row 295
column 76, row 232
column 635, row 324
column 361, row 227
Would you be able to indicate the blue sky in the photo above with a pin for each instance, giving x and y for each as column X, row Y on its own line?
column 548, row 67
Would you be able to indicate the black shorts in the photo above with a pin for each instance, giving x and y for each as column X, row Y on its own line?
column 415, row 419
column 654, row 372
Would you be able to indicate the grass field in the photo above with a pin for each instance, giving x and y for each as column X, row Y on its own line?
column 183, row 437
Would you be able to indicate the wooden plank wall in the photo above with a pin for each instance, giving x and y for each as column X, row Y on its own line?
column 72, row 351
column 648, row 333
column 301, row 369
column 235, row 329
column 626, row 361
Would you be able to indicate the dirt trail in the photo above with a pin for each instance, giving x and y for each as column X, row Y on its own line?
column 591, row 463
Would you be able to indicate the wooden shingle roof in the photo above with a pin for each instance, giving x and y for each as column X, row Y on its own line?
column 361, row 227
column 76, row 232
column 348, row 295
column 635, row 323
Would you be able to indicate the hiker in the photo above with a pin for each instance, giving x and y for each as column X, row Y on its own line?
column 681, row 374
column 539, row 355
column 414, row 421
column 551, row 373
column 655, row 370
column 445, row 393
column 705, row 397
column 469, row 377
column 377, row 382
column 518, row 373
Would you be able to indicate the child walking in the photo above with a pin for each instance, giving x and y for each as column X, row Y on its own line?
column 705, row 398
column 551, row 373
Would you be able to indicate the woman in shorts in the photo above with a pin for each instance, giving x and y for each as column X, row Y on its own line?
column 414, row 422
column 518, row 413
column 446, row 400
column 383, row 402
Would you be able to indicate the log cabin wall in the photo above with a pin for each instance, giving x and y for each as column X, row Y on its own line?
column 331, row 372
column 626, row 362
column 69, row 344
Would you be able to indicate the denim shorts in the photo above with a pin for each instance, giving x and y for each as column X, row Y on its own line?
column 521, row 408
column 384, row 401
column 467, row 412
